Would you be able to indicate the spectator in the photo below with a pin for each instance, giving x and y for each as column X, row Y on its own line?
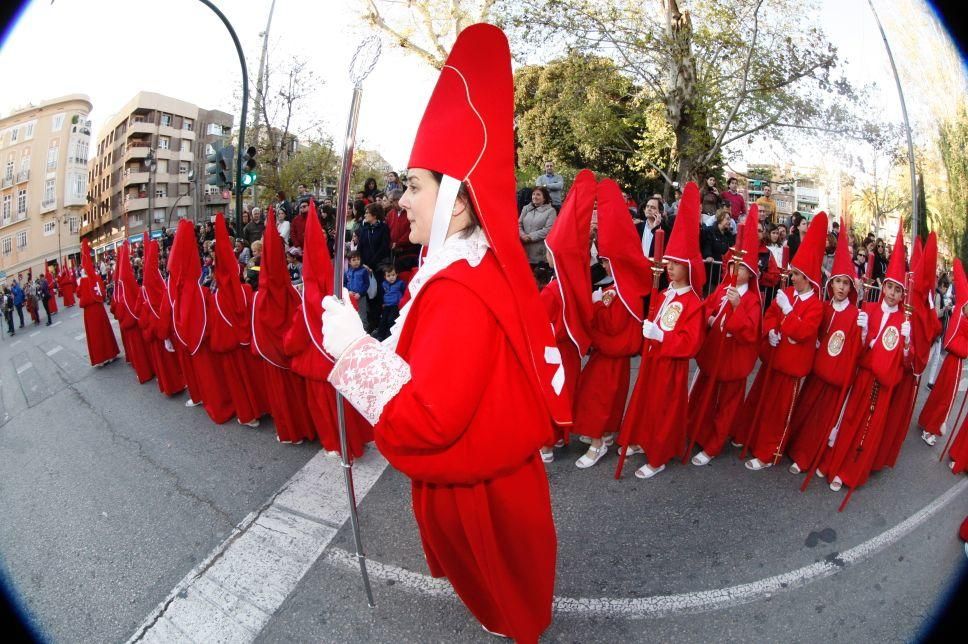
column 767, row 205
column 737, row 204
column 716, row 239
column 254, row 266
column 295, row 265
column 43, row 296
column 399, row 227
column 393, row 290
column 828, row 256
column 301, row 191
column 647, row 227
column 535, row 223
column 782, row 235
column 555, row 184
column 283, row 206
column 6, row 304
column 370, row 190
column 18, row 301
column 630, row 203
column 393, row 183
column 796, row 235
column 297, row 231
column 672, row 209
column 880, row 261
column 30, row 294
column 860, row 261
column 246, row 218
column 328, row 216
column 835, row 229
column 253, row 231
column 374, row 237
column 283, row 226
column 356, row 280
column 711, row 199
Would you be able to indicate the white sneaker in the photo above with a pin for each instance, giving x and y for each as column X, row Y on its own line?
column 836, row 484
column 252, row 423
column 332, row 453
column 630, row 450
column 702, row 458
column 547, row 457
column 585, row 439
column 930, row 439
column 192, row 403
column 819, row 473
column 735, row 444
column 646, row 472
column 592, row 456
column 795, row 469
column 756, row 465
column 560, row 443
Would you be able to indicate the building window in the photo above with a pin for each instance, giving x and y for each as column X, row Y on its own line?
column 214, row 129
column 7, row 201
column 166, row 119
column 25, row 161
column 187, row 124
column 48, row 191
column 162, row 166
column 161, row 191
column 73, row 224
column 184, row 167
column 135, row 221
column 21, row 203
column 164, row 142
column 21, row 239
column 182, row 212
column 9, row 172
column 51, row 158
column 14, row 133
column 186, row 145
column 29, row 131
column 50, row 227
column 159, row 216
column 78, row 185
column 58, row 123
column 6, row 245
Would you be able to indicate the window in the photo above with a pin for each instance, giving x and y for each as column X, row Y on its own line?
column 52, row 156
column 25, row 161
column 182, row 212
column 50, row 227
column 21, row 239
column 49, row 191
column 184, row 167
column 58, row 123
column 21, row 203
column 159, row 216
column 9, row 172
column 164, row 142
column 166, row 119
column 7, row 201
column 6, row 245
column 73, row 223
column 186, row 145
column 161, row 191
column 135, row 220
column 29, row 130
column 162, row 166
column 187, row 124
column 214, row 129
column 78, row 185
column 14, row 132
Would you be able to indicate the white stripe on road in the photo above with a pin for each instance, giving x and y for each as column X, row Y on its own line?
column 24, row 367
column 664, row 605
column 233, row 593
column 57, row 322
column 15, row 343
column 79, row 336
column 34, row 333
column 54, row 350
column 74, row 315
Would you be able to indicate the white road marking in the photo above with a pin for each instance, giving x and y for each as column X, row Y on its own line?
column 24, row 367
column 79, row 336
column 57, row 322
column 55, row 350
column 663, row 605
column 15, row 343
column 74, row 315
column 233, row 593
column 35, row 333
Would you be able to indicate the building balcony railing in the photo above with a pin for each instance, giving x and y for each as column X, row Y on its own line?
column 8, row 181
column 135, row 177
column 23, row 176
column 48, row 204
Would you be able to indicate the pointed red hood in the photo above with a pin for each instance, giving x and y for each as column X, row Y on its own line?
column 620, row 245
column 467, row 133
column 86, row 262
column 155, row 291
column 843, row 264
column 896, row 268
column 748, row 241
column 317, row 279
column 187, row 297
column 809, row 257
column 683, row 245
column 275, row 302
column 961, row 298
column 230, row 296
column 568, row 244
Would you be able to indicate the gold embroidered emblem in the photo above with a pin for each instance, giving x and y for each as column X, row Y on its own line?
column 835, row 344
column 889, row 339
column 670, row 316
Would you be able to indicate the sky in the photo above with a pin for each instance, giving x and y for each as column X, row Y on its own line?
column 112, row 49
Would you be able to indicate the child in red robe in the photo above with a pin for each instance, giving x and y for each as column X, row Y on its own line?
column 102, row 347
column 125, row 304
column 790, row 329
column 67, row 285
column 657, row 416
column 155, row 322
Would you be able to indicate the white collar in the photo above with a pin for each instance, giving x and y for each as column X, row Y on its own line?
column 672, row 292
column 742, row 288
column 841, row 305
column 802, row 296
column 888, row 309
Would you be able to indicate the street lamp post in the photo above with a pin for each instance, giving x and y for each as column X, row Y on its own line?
column 151, row 164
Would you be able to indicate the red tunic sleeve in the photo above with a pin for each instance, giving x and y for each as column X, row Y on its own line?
column 743, row 322
column 803, row 322
column 685, row 339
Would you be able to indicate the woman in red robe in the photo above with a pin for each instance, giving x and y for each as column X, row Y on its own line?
column 67, row 285
column 304, row 343
column 230, row 331
column 825, row 389
column 790, row 328
column 615, row 328
column 125, row 304
column 102, row 347
column 156, row 326
column 273, row 307
column 474, row 319
column 657, row 416
column 733, row 314
column 52, row 286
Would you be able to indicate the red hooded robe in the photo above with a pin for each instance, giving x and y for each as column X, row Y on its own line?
column 102, row 347
column 156, row 325
column 124, row 303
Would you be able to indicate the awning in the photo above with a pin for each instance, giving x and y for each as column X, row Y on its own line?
column 134, row 239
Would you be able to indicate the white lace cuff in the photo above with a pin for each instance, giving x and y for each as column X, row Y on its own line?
column 369, row 375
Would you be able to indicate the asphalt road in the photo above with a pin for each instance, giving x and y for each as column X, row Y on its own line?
column 112, row 494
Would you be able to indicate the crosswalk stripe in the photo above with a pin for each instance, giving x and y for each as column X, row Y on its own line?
column 24, row 367
column 55, row 350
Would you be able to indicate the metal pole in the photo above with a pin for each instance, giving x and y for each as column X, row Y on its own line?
column 245, row 108
column 260, row 80
column 907, row 126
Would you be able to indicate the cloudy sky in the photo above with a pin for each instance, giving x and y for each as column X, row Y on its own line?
column 111, row 49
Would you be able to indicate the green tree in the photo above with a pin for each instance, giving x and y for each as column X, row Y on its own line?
column 315, row 165
column 953, row 144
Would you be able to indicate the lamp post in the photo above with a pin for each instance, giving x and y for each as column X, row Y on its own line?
column 151, row 164
column 191, row 189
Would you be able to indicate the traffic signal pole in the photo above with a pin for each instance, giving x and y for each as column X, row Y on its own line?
column 245, row 107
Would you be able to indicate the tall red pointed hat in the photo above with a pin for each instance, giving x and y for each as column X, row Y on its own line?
column 86, row 262
column 683, row 243
column 748, row 241
column 925, row 325
column 230, row 297
column 843, row 264
column 275, row 303
column 620, row 245
column 568, row 245
column 809, row 257
column 187, row 299
column 317, row 279
column 917, row 253
column 896, row 268
column 961, row 297
column 467, row 133
column 155, row 291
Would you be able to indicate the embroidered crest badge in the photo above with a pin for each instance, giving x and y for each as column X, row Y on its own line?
column 890, row 338
column 836, row 344
column 670, row 316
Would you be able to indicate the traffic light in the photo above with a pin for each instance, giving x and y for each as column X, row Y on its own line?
column 212, row 175
column 249, row 165
column 226, row 162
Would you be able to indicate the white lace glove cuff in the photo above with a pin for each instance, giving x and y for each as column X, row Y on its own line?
column 169, row 347
column 369, row 375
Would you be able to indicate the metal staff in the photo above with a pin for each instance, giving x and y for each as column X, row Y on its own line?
column 360, row 67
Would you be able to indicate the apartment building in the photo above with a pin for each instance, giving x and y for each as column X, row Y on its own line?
column 148, row 170
column 44, row 150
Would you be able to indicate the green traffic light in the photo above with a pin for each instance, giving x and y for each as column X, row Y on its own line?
column 248, row 178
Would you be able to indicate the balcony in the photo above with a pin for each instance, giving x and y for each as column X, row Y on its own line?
column 141, row 127
column 48, row 204
column 131, row 177
column 136, row 150
column 23, row 176
column 8, row 181
column 810, row 195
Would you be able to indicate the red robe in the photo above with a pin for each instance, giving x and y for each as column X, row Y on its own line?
column 155, row 326
column 135, row 351
column 825, row 389
column 781, row 369
column 480, row 493
column 959, row 450
column 239, row 370
column 725, row 361
column 862, row 426
column 603, row 384
column 938, row 405
column 570, row 358
column 101, row 344
column 67, row 285
column 52, row 302
column 657, row 415
column 195, row 356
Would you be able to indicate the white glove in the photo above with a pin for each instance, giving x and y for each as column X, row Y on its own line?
column 652, row 331
column 906, row 331
column 341, row 324
column 169, row 347
column 597, row 295
column 774, row 338
column 862, row 320
column 783, row 302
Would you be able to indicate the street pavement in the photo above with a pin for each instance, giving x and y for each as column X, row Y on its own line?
column 129, row 516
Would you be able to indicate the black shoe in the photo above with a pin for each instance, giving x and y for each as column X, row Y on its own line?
column 930, row 385
column 48, row 324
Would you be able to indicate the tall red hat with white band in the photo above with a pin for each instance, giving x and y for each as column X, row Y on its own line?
column 467, row 133
column 896, row 266
column 843, row 264
column 620, row 245
column 683, row 243
column 809, row 257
